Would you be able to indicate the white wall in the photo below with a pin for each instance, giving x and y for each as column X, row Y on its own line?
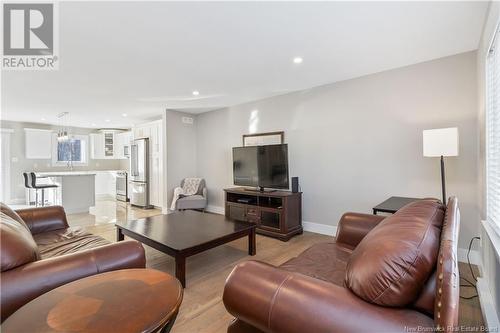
column 22, row 164
column 180, row 150
column 357, row 142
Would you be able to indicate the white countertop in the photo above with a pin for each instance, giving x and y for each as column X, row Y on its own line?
column 65, row 173
column 71, row 173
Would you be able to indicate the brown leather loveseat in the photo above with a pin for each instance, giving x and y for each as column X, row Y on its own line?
column 392, row 274
column 40, row 252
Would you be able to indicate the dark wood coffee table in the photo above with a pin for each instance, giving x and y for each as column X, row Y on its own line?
column 129, row 300
column 183, row 234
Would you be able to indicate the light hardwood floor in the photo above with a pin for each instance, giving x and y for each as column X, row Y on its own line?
column 202, row 309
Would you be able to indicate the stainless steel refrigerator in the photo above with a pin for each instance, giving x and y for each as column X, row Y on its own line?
column 139, row 173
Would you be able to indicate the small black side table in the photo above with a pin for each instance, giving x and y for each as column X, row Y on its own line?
column 392, row 205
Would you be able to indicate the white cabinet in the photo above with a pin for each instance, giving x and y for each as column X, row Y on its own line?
column 142, row 131
column 105, row 184
column 109, row 145
column 97, row 146
column 153, row 131
column 122, row 144
column 38, row 143
column 156, row 190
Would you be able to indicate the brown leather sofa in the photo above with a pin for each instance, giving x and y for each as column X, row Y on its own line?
column 40, row 252
column 393, row 274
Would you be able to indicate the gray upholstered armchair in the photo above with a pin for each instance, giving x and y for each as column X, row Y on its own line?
column 197, row 201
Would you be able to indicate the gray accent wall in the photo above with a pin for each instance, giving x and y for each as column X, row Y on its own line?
column 355, row 143
column 17, row 146
column 180, row 150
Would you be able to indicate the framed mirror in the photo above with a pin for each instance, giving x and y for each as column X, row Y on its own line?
column 260, row 139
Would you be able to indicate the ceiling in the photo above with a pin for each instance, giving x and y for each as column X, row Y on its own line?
column 140, row 58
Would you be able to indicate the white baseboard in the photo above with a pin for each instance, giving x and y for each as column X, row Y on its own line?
column 105, row 196
column 210, row 209
column 215, row 209
column 165, row 211
column 487, row 305
column 475, row 257
column 318, row 228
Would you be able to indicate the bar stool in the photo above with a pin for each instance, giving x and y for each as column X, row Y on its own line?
column 27, row 184
column 40, row 187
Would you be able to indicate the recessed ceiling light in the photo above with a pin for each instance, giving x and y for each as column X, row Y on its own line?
column 107, row 120
column 196, row 93
column 124, row 114
column 297, row 60
column 43, row 119
column 93, row 124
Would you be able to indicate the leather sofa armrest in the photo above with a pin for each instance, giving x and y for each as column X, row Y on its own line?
column 25, row 283
column 353, row 227
column 277, row 301
column 43, row 219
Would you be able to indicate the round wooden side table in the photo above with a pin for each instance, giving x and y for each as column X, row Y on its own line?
column 130, row 300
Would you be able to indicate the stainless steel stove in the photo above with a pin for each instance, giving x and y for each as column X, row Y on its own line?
column 122, row 186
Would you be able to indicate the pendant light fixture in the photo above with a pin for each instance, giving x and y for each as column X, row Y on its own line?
column 62, row 133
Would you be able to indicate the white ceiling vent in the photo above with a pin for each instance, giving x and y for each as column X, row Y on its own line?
column 187, row 120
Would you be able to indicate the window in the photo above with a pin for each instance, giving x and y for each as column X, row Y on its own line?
column 70, row 152
column 493, row 135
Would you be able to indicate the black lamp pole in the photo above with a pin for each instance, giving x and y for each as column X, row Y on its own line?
column 442, row 180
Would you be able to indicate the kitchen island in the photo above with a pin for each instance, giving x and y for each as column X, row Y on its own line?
column 76, row 192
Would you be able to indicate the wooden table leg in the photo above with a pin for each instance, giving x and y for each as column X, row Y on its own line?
column 251, row 243
column 119, row 234
column 180, row 269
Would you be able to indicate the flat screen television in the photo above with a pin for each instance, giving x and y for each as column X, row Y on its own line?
column 261, row 166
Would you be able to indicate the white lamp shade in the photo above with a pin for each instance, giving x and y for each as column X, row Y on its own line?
column 440, row 142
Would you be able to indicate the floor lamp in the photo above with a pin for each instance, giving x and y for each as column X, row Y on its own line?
column 441, row 142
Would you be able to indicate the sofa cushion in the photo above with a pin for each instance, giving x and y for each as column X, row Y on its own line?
column 425, row 300
column 17, row 246
column 9, row 212
column 192, row 201
column 324, row 261
column 391, row 264
column 65, row 241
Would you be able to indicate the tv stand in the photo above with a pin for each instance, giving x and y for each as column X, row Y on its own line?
column 258, row 189
column 276, row 213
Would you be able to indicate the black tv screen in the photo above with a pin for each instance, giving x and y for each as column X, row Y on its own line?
column 261, row 166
